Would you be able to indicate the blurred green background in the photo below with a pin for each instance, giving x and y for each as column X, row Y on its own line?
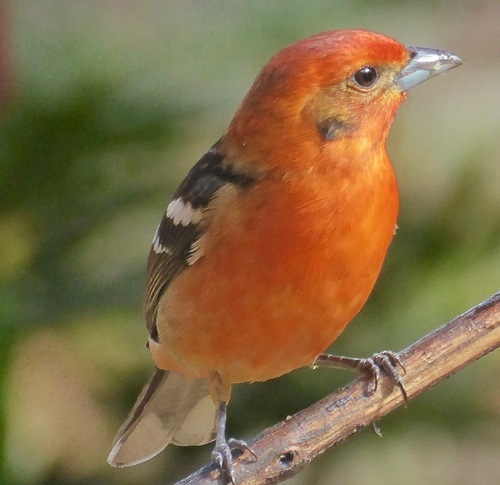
column 104, row 107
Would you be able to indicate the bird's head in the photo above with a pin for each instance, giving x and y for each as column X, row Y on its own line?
column 330, row 88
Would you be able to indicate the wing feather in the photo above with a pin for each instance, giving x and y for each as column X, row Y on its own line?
column 183, row 225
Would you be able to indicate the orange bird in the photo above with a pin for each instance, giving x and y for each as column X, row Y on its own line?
column 274, row 240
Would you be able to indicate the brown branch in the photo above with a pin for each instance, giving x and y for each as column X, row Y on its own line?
column 284, row 449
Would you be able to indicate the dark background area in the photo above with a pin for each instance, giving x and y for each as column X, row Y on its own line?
column 104, row 107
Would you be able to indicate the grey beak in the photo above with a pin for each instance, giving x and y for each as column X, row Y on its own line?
column 425, row 63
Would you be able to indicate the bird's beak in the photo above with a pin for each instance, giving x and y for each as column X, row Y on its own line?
column 423, row 64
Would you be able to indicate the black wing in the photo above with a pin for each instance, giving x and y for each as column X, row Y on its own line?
column 182, row 225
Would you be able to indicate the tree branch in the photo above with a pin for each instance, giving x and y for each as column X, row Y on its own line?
column 284, row 449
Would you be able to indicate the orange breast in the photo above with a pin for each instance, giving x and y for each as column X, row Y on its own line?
column 283, row 273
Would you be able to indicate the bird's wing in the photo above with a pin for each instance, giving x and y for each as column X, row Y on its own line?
column 170, row 408
column 174, row 242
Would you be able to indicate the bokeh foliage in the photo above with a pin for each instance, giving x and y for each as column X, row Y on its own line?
column 111, row 102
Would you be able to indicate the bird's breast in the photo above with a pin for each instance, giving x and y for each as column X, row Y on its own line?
column 286, row 266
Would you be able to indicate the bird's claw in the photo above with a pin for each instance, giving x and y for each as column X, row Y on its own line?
column 223, row 457
column 389, row 362
column 376, row 429
column 242, row 446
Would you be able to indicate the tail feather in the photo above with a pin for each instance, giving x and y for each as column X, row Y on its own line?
column 169, row 409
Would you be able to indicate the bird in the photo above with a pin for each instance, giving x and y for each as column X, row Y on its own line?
column 274, row 240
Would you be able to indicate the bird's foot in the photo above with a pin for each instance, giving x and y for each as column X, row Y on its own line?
column 390, row 363
column 386, row 360
column 223, row 457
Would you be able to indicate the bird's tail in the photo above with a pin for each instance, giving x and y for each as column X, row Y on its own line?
column 169, row 409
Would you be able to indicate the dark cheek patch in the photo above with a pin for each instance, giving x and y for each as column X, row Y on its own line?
column 332, row 128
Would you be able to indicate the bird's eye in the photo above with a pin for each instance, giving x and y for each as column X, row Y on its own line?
column 366, row 77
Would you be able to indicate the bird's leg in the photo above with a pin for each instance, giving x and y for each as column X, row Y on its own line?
column 222, row 453
column 386, row 360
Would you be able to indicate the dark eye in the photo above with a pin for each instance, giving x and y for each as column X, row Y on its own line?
column 366, row 77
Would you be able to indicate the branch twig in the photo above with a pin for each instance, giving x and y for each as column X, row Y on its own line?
column 285, row 448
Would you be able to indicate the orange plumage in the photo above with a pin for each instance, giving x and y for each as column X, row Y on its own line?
column 289, row 263
column 291, row 214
